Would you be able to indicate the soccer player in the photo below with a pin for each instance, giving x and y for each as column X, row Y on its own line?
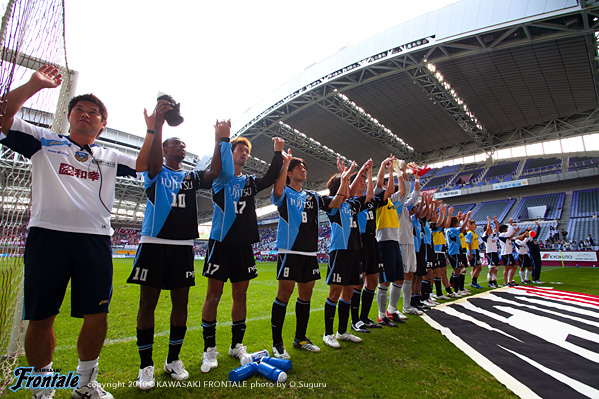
column 230, row 255
column 73, row 182
column 297, row 242
column 370, row 255
column 454, row 250
column 440, row 247
column 523, row 258
column 391, row 278
column 473, row 255
column 490, row 239
column 344, row 272
column 506, row 234
column 406, row 243
column 164, row 259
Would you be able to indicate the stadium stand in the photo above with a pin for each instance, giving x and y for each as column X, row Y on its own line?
column 575, row 163
column 541, row 166
column 554, row 202
column 585, row 203
column 463, row 208
column 437, row 182
column 499, row 208
column 580, row 228
column 500, row 170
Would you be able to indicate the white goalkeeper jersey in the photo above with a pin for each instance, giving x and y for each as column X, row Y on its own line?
column 71, row 189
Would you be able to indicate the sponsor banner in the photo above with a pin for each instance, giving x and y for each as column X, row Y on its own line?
column 510, row 184
column 428, row 192
column 126, row 252
column 538, row 342
column 568, row 256
column 268, row 221
column 445, row 194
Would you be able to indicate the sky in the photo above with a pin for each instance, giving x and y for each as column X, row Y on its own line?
column 217, row 59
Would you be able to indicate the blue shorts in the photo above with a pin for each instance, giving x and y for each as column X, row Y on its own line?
column 392, row 262
column 52, row 258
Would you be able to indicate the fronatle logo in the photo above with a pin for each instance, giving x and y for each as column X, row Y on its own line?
column 52, row 381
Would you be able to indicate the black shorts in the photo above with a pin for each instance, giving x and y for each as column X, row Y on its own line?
column 441, row 260
column 421, row 261
column 370, row 256
column 392, row 262
column 52, row 258
column 344, row 268
column 475, row 259
column 524, row 260
column 493, row 258
column 163, row 266
column 508, row 260
column 464, row 259
column 454, row 260
column 431, row 257
column 299, row 268
column 230, row 262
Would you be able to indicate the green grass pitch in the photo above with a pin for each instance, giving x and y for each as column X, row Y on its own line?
column 411, row 361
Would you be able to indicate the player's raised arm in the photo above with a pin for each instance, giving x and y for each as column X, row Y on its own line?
column 222, row 134
column 275, row 166
column 369, row 187
column 156, row 157
column 47, row 77
column 142, row 163
column 279, row 187
column 343, row 190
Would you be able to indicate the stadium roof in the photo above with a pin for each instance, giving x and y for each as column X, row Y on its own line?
column 473, row 77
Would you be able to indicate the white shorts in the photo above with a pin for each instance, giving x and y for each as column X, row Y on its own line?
column 408, row 256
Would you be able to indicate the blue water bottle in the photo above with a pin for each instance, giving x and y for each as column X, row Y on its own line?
column 253, row 357
column 282, row 364
column 271, row 372
column 243, row 372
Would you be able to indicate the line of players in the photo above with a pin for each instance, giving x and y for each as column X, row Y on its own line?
column 380, row 238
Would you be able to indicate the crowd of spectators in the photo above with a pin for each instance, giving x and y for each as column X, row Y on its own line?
column 125, row 236
column 13, row 234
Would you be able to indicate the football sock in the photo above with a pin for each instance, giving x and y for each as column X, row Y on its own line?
column 394, row 295
column 209, row 333
column 407, row 293
column 145, row 340
column 175, row 342
column 330, row 308
column 302, row 315
column 237, row 332
column 381, row 300
column 414, row 300
column 367, row 298
column 44, row 371
column 528, row 271
column 425, row 289
column 85, row 370
column 355, row 306
column 474, row 280
column 438, row 286
column 522, row 275
column 277, row 318
column 343, row 310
